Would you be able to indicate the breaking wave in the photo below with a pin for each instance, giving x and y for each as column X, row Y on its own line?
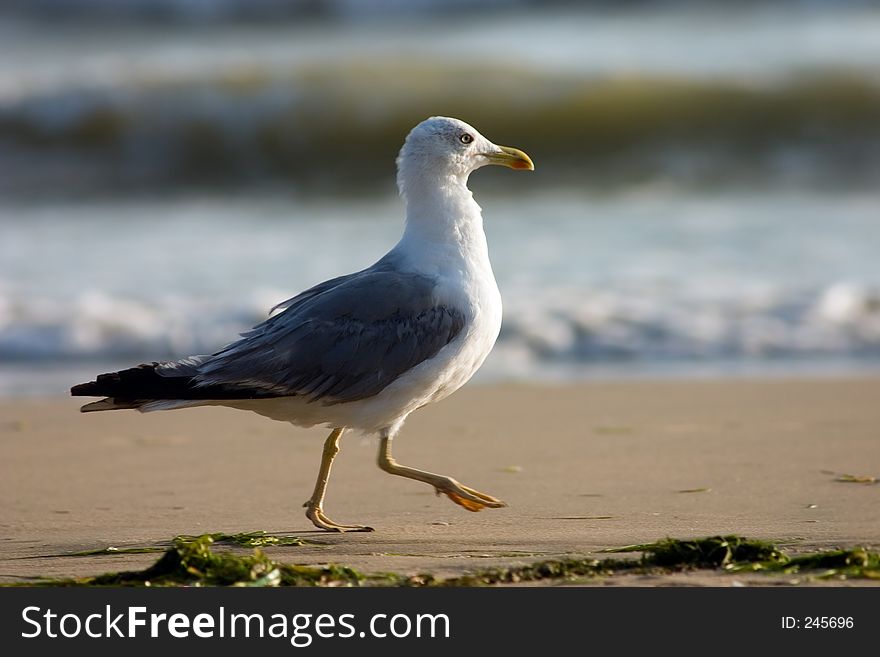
column 661, row 91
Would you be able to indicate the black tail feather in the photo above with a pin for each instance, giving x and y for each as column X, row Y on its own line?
column 143, row 383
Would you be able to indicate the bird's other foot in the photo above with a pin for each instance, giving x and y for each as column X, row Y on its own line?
column 470, row 499
column 316, row 515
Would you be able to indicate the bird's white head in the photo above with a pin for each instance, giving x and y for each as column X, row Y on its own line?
column 445, row 149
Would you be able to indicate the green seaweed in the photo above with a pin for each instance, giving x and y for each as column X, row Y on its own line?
column 854, row 563
column 711, row 552
column 189, row 562
column 553, row 569
column 245, row 539
column 192, row 561
column 738, row 554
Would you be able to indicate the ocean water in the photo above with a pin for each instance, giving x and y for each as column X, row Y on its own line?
column 755, row 40
column 706, row 200
column 696, row 93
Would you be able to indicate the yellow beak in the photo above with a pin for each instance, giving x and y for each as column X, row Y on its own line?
column 511, row 157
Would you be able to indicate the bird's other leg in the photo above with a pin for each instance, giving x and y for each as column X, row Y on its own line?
column 315, row 505
column 470, row 499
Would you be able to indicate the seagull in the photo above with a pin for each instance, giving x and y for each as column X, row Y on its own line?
column 364, row 350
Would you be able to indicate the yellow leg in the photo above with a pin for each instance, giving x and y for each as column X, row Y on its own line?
column 470, row 499
column 314, row 507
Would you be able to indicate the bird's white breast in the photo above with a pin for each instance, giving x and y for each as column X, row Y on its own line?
column 477, row 295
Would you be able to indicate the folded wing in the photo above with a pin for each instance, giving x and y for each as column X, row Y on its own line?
column 343, row 344
column 341, row 341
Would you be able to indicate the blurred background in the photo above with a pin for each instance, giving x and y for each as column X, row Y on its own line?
column 706, row 199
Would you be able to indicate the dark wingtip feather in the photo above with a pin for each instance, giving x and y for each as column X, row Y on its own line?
column 85, row 390
column 108, row 384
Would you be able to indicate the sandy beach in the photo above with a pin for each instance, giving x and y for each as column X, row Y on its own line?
column 583, row 468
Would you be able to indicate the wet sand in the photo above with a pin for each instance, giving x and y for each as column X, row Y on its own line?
column 583, row 467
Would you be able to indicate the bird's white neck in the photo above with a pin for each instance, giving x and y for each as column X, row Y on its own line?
column 444, row 224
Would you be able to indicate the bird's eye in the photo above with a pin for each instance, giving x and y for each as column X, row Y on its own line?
column 466, row 138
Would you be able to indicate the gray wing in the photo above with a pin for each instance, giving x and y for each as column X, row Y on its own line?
column 343, row 340
column 313, row 292
column 190, row 366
